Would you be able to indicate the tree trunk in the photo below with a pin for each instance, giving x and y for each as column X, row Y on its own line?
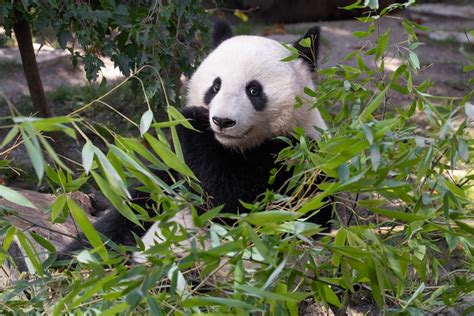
column 30, row 67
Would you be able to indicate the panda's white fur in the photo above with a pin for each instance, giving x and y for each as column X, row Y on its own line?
column 236, row 61
column 240, row 59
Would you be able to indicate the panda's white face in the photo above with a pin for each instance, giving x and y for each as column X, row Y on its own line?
column 250, row 92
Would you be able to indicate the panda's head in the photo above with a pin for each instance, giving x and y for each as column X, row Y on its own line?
column 250, row 92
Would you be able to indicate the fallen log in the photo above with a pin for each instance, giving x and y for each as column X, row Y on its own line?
column 39, row 219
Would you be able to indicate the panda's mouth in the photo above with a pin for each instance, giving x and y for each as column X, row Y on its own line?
column 222, row 135
column 233, row 137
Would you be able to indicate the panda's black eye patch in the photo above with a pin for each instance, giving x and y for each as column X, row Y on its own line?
column 256, row 95
column 212, row 91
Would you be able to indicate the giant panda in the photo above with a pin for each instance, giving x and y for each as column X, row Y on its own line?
column 240, row 100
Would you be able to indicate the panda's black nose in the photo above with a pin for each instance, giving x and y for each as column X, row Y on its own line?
column 223, row 122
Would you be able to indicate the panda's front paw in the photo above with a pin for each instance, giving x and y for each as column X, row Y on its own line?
column 155, row 236
column 152, row 236
column 198, row 116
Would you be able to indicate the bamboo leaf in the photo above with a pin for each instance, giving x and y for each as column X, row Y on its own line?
column 14, row 197
column 270, row 218
column 211, row 301
column 145, row 122
column 287, row 297
column 115, row 180
column 177, row 117
column 58, row 208
column 43, row 242
column 382, row 44
column 375, row 156
column 30, row 251
column 407, row 217
column 367, row 112
column 86, row 227
column 261, row 248
column 130, row 162
column 115, row 199
column 169, row 157
column 53, row 154
column 115, row 310
column 35, row 154
column 87, row 156
column 11, row 134
column 414, row 61
column 9, row 237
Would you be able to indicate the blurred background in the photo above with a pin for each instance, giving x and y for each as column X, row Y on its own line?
column 287, row 11
column 446, row 40
column 442, row 55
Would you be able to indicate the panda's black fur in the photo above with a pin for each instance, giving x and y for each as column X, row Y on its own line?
column 226, row 175
column 220, row 32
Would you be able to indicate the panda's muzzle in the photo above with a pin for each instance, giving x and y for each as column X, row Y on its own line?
column 229, row 137
column 223, row 122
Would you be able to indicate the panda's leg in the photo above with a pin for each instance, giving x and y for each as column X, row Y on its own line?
column 155, row 236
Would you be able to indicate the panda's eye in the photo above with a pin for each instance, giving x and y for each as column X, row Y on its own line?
column 216, row 87
column 256, row 94
column 254, row 91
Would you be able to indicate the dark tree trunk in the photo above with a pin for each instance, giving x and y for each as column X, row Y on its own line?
column 30, row 67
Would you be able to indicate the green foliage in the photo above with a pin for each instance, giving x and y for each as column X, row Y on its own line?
column 403, row 172
column 165, row 36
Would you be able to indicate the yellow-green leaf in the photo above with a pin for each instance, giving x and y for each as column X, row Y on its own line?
column 241, row 15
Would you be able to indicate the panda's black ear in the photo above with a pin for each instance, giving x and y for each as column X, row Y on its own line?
column 309, row 54
column 220, row 32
